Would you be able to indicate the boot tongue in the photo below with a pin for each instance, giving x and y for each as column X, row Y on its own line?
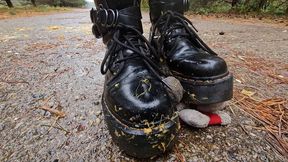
column 157, row 8
column 175, row 29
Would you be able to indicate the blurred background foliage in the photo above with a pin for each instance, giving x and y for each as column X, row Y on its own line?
column 54, row 3
column 275, row 7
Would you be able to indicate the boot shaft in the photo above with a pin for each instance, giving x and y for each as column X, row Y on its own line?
column 117, row 4
column 158, row 7
column 112, row 15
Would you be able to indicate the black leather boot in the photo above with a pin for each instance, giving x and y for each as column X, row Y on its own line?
column 138, row 109
column 204, row 75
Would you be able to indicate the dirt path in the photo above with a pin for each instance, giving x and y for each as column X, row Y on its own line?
column 53, row 62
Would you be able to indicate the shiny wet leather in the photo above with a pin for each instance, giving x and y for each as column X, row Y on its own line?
column 135, row 96
column 184, row 58
column 182, row 53
column 132, row 91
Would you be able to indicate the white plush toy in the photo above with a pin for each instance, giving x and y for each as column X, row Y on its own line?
column 200, row 116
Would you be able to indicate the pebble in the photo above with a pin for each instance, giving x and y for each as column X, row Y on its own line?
column 97, row 121
column 2, row 127
column 214, row 147
column 228, row 144
column 81, row 128
column 209, row 137
column 248, row 122
column 255, row 156
column 252, row 134
column 103, row 148
column 98, row 113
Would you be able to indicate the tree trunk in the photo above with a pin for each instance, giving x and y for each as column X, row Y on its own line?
column 234, row 2
column 33, row 3
column 262, row 4
column 9, row 3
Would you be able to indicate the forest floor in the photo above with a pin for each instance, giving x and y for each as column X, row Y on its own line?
column 52, row 63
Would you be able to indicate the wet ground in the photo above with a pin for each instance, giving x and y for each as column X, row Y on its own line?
column 52, row 62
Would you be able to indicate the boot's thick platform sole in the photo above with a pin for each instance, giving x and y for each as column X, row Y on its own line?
column 142, row 142
column 207, row 92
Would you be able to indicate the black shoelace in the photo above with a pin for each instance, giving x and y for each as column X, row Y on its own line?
column 184, row 23
column 135, row 42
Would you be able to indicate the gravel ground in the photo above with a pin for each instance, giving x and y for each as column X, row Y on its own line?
column 53, row 61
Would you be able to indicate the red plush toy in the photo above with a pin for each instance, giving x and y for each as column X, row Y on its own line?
column 204, row 115
column 200, row 116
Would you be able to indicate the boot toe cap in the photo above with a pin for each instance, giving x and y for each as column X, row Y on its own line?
column 200, row 66
column 140, row 103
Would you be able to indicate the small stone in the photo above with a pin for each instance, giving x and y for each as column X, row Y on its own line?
column 248, row 122
column 80, row 128
column 97, row 121
column 98, row 113
column 252, row 134
column 221, row 33
column 255, row 156
column 228, row 144
column 103, row 148
column 214, row 147
column 2, row 127
column 175, row 87
column 209, row 137
column 216, row 159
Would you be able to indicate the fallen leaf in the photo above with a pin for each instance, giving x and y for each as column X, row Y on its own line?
column 248, row 93
column 54, row 27
column 58, row 113
column 148, row 130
